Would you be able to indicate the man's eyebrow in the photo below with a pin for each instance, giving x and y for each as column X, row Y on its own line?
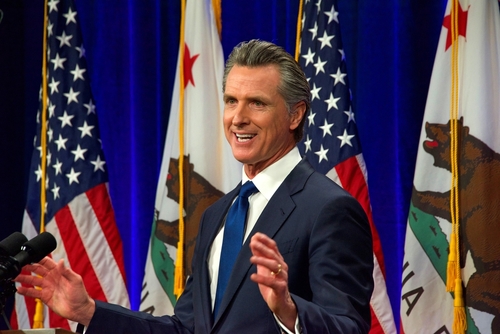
column 254, row 97
column 227, row 96
column 260, row 98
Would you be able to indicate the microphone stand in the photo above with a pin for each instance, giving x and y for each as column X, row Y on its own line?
column 7, row 290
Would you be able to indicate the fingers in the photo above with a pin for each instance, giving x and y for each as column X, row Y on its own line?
column 48, row 263
column 28, row 279
column 270, row 273
column 265, row 248
column 261, row 242
column 41, row 268
column 271, row 267
column 69, row 274
column 36, row 268
column 45, row 270
column 272, row 278
column 278, row 271
column 275, row 267
column 30, row 292
column 48, row 270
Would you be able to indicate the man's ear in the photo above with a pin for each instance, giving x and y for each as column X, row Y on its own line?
column 298, row 111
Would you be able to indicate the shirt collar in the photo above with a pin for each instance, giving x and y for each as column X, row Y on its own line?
column 269, row 180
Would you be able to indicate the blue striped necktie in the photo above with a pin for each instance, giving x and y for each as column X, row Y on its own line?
column 234, row 230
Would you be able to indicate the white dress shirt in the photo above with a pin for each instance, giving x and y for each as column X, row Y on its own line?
column 267, row 182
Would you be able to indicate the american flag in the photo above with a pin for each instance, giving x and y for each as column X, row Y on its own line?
column 331, row 142
column 78, row 210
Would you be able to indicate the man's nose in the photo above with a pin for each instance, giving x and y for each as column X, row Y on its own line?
column 241, row 115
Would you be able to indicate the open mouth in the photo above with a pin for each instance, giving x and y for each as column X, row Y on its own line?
column 431, row 143
column 243, row 137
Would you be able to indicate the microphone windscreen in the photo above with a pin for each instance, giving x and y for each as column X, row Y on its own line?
column 11, row 245
column 40, row 246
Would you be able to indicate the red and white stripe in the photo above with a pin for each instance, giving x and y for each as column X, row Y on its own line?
column 351, row 175
column 89, row 242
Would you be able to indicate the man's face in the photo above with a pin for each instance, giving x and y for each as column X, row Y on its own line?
column 257, row 123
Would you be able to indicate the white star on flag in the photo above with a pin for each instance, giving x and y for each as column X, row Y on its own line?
column 315, row 92
column 332, row 102
column 79, row 152
column 65, row 119
column 332, row 15
column 309, row 57
column 322, row 153
column 57, row 167
column 98, row 164
column 326, row 128
column 78, row 73
column 325, row 40
column 339, row 76
column 70, row 16
column 55, row 191
column 320, row 66
column 72, row 96
column 64, row 39
column 53, row 86
column 58, row 62
column 53, row 5
column 73, row 176
column 311, row 117
column 85, row 129
column 345, row 139
column 61, row 142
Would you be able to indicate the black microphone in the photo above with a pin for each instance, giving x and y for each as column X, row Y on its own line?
column 31, row 251
column 11, row 245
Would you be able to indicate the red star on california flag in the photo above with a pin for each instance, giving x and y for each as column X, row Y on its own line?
column 462, row 25
column 188, row 66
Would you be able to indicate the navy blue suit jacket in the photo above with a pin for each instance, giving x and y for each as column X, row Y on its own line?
column 324, row 236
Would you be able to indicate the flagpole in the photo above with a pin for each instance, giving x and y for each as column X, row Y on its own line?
column 179, row 263
column 38, row 316
column 216, row 5
column 299, row 28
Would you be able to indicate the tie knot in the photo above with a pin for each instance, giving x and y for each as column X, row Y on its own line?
column 248, row 189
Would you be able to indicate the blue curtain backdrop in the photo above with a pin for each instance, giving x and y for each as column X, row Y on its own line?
column 131, row 47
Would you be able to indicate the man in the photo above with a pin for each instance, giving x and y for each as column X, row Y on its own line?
column 306, row 261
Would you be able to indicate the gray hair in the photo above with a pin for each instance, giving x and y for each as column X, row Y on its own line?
column 293, row 85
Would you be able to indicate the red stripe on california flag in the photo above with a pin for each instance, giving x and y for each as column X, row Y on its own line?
column 77, row 255
column 352, row 179
column 101, row 204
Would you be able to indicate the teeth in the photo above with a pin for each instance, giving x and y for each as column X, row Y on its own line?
column 244, row 137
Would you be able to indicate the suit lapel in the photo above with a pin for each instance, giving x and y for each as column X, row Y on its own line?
column 272, row 218
column 281, row 204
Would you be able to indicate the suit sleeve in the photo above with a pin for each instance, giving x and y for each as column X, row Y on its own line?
column 340, row 271
column 110, row 318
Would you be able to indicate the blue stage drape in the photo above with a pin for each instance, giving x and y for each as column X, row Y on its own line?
column 131, row 48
